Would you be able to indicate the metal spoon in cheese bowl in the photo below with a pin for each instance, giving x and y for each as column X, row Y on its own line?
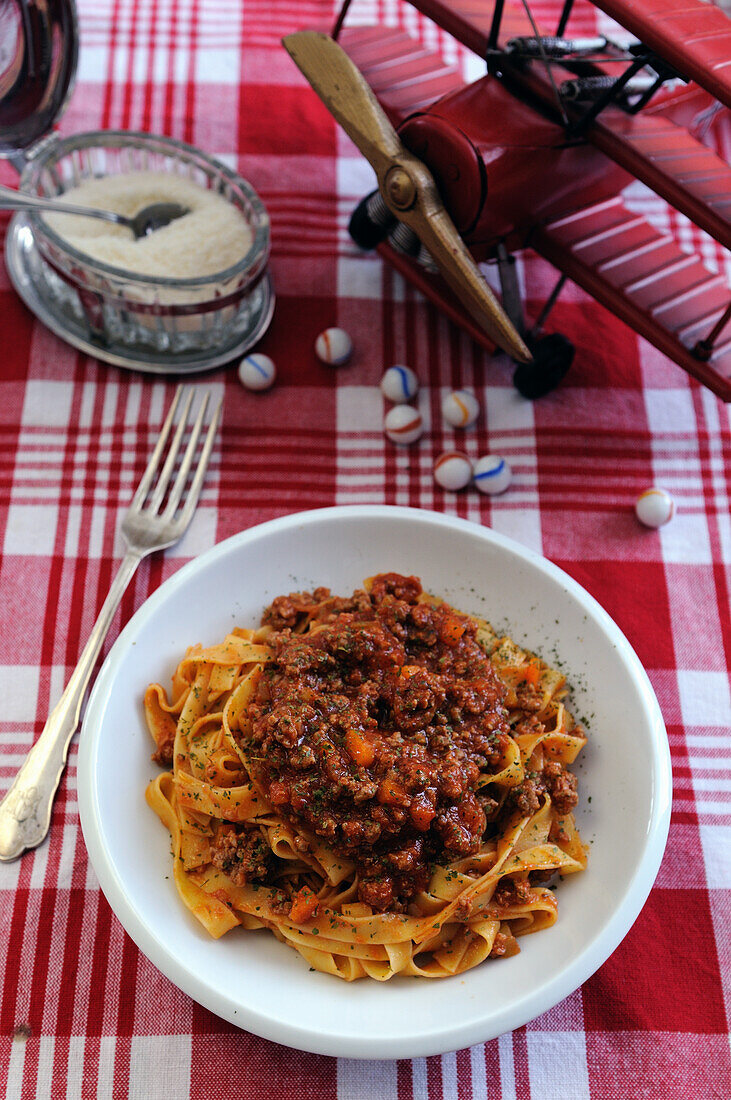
column 147, row 220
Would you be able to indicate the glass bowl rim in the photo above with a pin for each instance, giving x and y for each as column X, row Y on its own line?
column 259, row 245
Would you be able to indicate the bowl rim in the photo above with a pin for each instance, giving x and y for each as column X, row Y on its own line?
column 447, row 1035
column 258, row 250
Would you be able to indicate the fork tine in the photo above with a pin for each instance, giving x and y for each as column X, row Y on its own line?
column 163, row 481
column 177, row 490
column 200, row 473
column 146, row 482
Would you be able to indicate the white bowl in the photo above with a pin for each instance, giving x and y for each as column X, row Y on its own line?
column 249, row 978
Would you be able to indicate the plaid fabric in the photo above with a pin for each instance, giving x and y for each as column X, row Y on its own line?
column 82, row 1012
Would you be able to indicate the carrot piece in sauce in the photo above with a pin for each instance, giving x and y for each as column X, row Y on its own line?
column 360, row 750
column 532, row 673
column 451, row 629
column 390, row 792
column 304, row 906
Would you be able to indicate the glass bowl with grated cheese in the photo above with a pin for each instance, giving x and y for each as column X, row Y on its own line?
column 197, row 285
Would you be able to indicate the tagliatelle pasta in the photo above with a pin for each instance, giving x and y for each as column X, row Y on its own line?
column 381, row 781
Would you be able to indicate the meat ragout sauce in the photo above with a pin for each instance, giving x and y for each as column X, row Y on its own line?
column 371, row 730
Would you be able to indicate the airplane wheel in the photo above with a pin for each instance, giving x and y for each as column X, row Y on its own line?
column 370, row 222
column 552, row 357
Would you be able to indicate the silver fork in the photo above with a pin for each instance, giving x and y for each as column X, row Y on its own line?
column 25, row 811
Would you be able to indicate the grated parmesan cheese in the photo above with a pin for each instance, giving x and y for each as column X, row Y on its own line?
column 211, row 237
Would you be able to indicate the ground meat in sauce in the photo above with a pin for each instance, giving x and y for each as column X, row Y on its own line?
column 555, row 780
column 561, row 785
column 511, row 892
column 500, row 945
column 164, row 754
column 371, row 730
column 242, row 853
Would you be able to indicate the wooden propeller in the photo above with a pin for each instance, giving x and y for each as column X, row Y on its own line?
column 406, row 184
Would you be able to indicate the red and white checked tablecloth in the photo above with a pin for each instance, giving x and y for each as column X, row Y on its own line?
column 82, row 1012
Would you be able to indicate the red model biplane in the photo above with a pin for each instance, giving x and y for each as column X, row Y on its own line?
column 536, row 154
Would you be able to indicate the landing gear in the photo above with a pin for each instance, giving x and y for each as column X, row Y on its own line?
column 552, row 357
column 372, row 223
column 552, row 354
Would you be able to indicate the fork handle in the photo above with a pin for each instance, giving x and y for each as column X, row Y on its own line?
column 25, row 811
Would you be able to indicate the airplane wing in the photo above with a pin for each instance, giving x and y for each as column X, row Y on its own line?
column 658, row 152
column 404, row 75
column 469, row 21
column 692, row 36
column 673, row 163
column 637, row 272
column 642, row 276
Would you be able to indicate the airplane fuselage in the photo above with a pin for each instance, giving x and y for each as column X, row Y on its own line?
column 502, row 166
